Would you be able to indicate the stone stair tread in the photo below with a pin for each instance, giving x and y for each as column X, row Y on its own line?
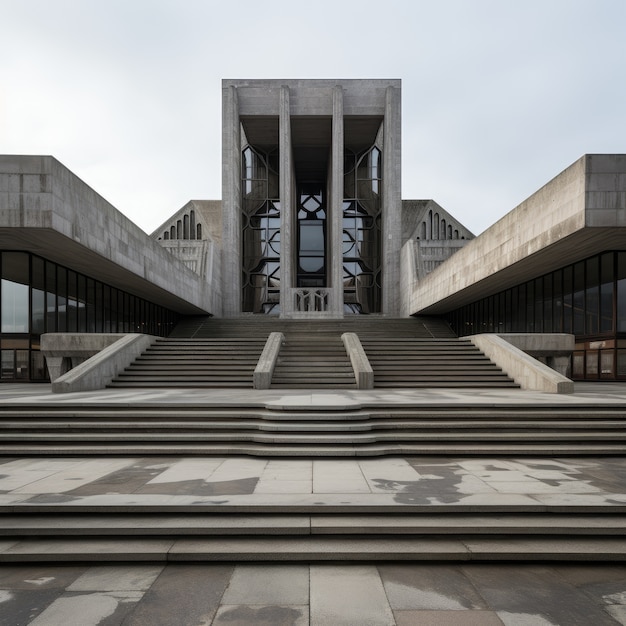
column 307, row 438
column 307, row 523
column 242, row 423
column 313, row 549
column 470, row 448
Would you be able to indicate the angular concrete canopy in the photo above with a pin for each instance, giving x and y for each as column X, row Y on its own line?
column 579, row 213
column 47, row 210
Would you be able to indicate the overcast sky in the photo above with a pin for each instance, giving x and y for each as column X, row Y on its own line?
column 498, row 96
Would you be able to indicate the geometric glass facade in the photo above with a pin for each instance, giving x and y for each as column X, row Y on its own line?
column 260, row 231
column 38, row 296
column 362, row 272
column 586, row 299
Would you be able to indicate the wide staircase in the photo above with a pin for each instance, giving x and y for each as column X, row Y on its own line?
column 126, row 515
column 280, row 427
column 415, row 352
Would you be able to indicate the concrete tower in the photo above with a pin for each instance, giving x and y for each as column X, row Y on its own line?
column 311, row 197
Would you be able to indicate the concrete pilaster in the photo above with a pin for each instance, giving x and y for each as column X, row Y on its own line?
column 392, row 204
column 287, row 217
column 231, row 202
column 336, row 204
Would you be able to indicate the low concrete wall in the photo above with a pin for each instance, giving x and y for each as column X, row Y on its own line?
column 93, row 360
column 363, row 372
column 553, row 349
column 524, row 369
column 262, row 377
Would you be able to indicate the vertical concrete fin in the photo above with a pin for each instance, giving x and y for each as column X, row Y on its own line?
column 287, row 218
column 336, row 203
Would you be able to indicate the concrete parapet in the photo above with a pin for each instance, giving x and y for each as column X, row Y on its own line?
column 524, row 369
column 553, row 349
column 363, row 372
column 262, row 377
column 93, row 360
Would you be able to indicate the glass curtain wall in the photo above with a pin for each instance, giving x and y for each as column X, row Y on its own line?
column 38, row 296
column 587, row 299
column 260, row 231
column 362, row 231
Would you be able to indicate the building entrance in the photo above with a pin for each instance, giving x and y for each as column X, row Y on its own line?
column 311, row 219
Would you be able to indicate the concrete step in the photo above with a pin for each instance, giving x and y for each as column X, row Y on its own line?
column 55, row 430
column 164, row 523
column 314, row 549
column 338, row 439
column 119, row 447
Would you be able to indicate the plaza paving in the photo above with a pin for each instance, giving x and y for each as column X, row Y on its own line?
column 333, row 593
column 301, row 594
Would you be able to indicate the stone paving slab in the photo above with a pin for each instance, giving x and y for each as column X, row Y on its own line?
column 395, row 594
column 586, row 394
column 316, row 549
column 225, row 485
column 212, row 524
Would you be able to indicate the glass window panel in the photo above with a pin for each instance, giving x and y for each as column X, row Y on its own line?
column 7, row 364
column 38, row 369
column 14, row 307
column 61, row 299
column 99, row 304
column 607, row 358
column 51, row 297
column 607, row 275
column 106, row 308
column 538, row 305
column 38, row 295
column 557, row 299
column 530, row 307
column 621, row 363
column 511, row 306
column 547, row 304
column 21, row 364
column 81, row 303
column 568, row 304
column 592, row 297
column 578, row 365
column 522, row 321
column 14, row 292
column 591, row 364
column 621, row 292
column 72, row 306
column 578, row 298
column 91, row 306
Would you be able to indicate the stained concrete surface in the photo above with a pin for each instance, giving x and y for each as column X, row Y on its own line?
column 403, row 593
column 316, row 595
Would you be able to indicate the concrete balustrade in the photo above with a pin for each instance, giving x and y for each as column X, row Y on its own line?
column 89, row 361
column 363, row 372
column 515, row 354
column 262, row 377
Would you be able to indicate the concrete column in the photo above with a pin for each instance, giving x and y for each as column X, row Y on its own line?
column 392, row 204
column 287, row 218
column 231, row 203
column 336, row 204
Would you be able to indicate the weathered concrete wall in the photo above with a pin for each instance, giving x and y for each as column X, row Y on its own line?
column 605, row 190
column 45, row 208
column 525, row 370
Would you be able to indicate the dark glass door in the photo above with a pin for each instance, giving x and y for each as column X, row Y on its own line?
column 311, row 237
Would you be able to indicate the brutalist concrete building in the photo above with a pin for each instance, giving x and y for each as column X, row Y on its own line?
column 312, row 226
